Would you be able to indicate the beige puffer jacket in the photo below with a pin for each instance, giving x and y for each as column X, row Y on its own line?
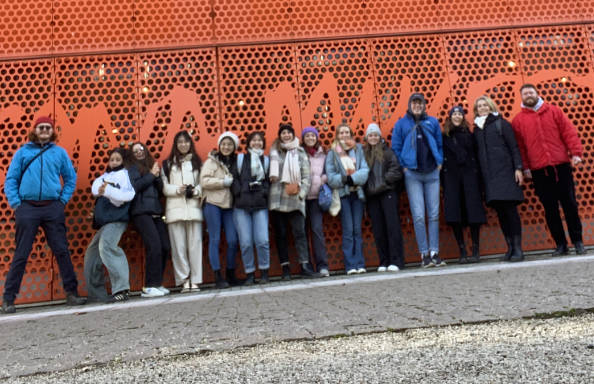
column 178, row 207
column 211, row 180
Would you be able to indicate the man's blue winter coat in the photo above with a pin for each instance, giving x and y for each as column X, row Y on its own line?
column 41, row 181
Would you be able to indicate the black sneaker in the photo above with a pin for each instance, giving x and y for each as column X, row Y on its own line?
column 437, row 260
column 72, row 298
column 426, row 261
column 8, row 307
column 307, row 271
column 286, row 273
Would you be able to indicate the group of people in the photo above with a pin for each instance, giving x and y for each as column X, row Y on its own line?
column 236, row 193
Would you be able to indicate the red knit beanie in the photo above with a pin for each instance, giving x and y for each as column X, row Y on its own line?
column 44, row 120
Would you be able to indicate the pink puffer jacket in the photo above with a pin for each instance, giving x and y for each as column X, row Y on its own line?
column 317, row 175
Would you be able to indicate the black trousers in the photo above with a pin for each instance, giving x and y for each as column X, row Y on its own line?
column 28, row 220
column 156, row 243
column 280, row 221
column 385, row 225
column 509, row 219
column 554, row 185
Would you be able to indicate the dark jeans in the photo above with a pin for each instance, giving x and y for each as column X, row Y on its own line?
column 156, row 243
column 315, row 222
column 554, row 185
column 509, row 219
column 28, row 220
column 385, row 225
column 280, row 220
column 215, row 218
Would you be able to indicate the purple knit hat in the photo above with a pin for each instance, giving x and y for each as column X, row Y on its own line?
column 310, row 129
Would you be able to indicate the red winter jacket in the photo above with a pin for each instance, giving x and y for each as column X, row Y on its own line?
column 545, row 137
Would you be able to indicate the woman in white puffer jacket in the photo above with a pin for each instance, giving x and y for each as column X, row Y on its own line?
column 183, row 215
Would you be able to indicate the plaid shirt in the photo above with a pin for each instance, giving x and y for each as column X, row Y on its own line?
column 278, row 199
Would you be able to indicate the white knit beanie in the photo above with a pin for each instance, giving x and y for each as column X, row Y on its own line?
column 230, row 135
column 373, row 128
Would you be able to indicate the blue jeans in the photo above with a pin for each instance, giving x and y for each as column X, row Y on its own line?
column 254, row 230
column 104, row 250
column 351, row 217
column 423, row 194
column 214, row 217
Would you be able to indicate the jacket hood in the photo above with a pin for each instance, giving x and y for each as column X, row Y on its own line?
column 417, row 96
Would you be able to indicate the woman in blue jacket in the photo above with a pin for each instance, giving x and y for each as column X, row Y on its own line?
column 347, row 171
column 417, row 142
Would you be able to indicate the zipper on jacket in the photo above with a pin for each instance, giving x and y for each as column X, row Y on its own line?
column 41, row 177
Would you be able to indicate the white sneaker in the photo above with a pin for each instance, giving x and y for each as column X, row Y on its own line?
column 186, row 287
column 195, row 287
column 361, row 270
column 324, row 272
column 164, row 290
column 381, row 268
column 352, row 272
column 393, row 268
column 151, row 292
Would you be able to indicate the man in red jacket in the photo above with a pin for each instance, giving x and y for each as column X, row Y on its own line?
column 550, row 146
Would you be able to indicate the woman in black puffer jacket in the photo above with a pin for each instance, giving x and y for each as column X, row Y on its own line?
column 382, row 190
column 501, row 169
column 146, row 212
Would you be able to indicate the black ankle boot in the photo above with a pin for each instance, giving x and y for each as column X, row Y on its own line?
column 250, row 280
column 286, row 273
column 517, row 254
column 220, row 282
column 231, row 279
column 264, row 279
column 475, row 258
column 507, row 255
column 463, row 255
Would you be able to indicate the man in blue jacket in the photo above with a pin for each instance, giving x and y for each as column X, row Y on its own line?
column 417, row 142
column 34, row 191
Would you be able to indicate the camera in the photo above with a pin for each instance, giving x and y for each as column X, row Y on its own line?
column 189, row 191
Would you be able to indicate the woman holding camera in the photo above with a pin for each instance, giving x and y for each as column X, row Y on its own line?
column 180, row 175
column 250, row 200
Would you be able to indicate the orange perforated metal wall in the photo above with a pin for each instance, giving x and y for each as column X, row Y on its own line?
column 119, row 71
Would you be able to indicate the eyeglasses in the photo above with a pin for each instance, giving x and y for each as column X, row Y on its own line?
column 44, row 127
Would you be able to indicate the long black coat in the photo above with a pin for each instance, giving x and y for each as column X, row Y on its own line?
column 461, row 179
column 499, row 158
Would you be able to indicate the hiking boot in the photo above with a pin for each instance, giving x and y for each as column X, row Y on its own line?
column 264, row 279
column 463, row 255
column 517, row 254
column 286, row 272
column 561, row 250
column 231, row 279
column 72, row 298
column 307, row 271
column 8, row 307
column 250, row 280
column 507, row 255
column 220, row 282
column 579, row 248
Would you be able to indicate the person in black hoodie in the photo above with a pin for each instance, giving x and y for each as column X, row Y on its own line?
column 501, row 169
column 382, row 190
column 250, row 201
column 460, row 175
column 146, row 211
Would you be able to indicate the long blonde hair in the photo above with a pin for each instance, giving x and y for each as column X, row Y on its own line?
column 487, row 100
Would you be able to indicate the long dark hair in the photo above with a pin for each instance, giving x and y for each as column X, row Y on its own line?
column 449, row 127
column 123, row 152
column 144, row 166
column 375, row 152
column 175, row 156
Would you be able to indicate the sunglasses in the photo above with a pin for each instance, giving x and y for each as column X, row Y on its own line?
column 44, row 127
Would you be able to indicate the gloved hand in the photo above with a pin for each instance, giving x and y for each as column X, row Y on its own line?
column 349, row 181
column 227, row 181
